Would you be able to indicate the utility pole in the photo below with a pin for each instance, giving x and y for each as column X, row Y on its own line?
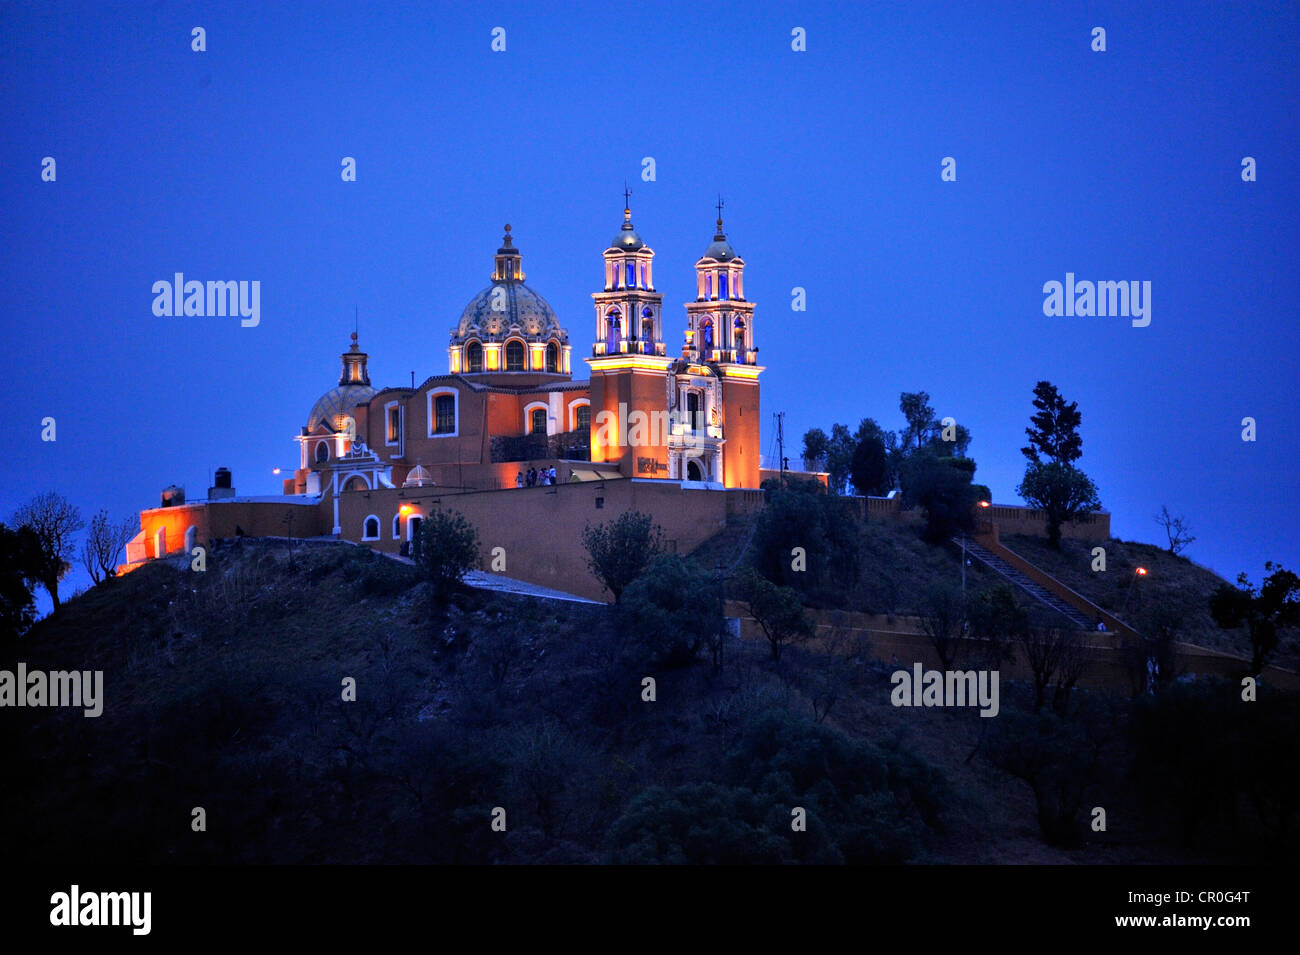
column 780, row 433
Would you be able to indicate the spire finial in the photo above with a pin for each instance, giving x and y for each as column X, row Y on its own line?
column 506, row 241
column 627, row 202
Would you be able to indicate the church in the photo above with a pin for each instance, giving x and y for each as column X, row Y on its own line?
column 670, row 430
column 509, row 402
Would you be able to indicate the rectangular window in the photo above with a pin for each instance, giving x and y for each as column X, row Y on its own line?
column 722, row 285
column 394, row 423
column 584, row 418
column 444, row 414
column 631, row 275
column 539, row 421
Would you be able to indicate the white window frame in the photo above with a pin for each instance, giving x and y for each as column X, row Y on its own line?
column 573, row 411
column 528, row 417
column 431, row 401
column 400, row 415
column 378, row 527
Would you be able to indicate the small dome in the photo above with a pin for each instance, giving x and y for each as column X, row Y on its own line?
column 337, row 403
column 418, row 477
column 720, row 249
column 627, row 239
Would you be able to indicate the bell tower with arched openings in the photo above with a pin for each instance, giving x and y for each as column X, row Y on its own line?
column 629, row 361
column 720, row 335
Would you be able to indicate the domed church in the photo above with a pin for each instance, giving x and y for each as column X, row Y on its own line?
column 508, row 413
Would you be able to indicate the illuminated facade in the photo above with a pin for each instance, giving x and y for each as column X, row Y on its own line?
column 509, row 403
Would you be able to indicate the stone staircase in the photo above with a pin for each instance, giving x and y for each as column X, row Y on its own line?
column 1019, row 580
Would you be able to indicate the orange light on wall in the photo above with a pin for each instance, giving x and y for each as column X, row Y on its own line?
column 985, row 504
column 405, row 509
column 1141, row 571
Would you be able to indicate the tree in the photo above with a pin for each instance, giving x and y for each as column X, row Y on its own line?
column 869, row 467
column 1062, row 492
column 448, row 550
column 997, row 621
column 1055, row 656
column 619, row 551
column 673, row 610
column 839, row 457
column 809, row 541
column 1176, row 529
column 103, row 545
column 54, row 520
column 777, row 610
column 1054, row 434
column 1274, row 605
column 942, row 487
column 815, row 446
column 919, row 415
column 20, row 561
column 942, row 619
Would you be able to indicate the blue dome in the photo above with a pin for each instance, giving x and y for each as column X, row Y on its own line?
column 523, row 311
column 337, row 402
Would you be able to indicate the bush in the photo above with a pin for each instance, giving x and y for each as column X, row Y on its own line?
column 448, row 549
column 673, row 610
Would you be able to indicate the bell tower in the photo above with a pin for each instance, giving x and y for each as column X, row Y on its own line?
column 629, row 363
column 720, row 334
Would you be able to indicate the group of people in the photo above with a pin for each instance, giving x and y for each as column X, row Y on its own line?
column 535, row 477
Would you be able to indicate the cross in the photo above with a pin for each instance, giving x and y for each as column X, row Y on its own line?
column 719, row 208
column 627, row 196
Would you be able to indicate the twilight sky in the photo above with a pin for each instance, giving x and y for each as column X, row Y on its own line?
column 225, row 165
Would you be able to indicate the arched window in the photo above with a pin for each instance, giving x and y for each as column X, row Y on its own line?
column 474, row 356
column 397, row 526
column 322, row 452
column 706, row 332
column 514, row 356
column 708, row 285
column 552, row 357
column 537, row 421
column 582, row 416
column 612, row 317
column 370, row 530
column 356, row 483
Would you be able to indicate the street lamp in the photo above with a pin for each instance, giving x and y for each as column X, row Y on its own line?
column 1138, row 572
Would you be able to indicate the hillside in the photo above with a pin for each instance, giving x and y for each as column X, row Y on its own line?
column 1172, row 584
column 899, row 572
column 223, row 692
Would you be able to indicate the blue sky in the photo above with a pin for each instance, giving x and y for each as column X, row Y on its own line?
column 1122, row 165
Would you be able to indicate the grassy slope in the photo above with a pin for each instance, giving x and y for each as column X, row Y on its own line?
column 229, row 699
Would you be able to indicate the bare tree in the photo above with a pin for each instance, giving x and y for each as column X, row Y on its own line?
column 54, row 519
column 1056, row 657
column 103, row 545
column 1176, row 529
column 943, row 618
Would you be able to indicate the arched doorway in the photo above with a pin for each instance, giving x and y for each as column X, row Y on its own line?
column 693, row 471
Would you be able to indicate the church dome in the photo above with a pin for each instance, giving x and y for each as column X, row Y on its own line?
column 417, row 477
column 721, row 250
column 521, row 310
column 336, row 404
